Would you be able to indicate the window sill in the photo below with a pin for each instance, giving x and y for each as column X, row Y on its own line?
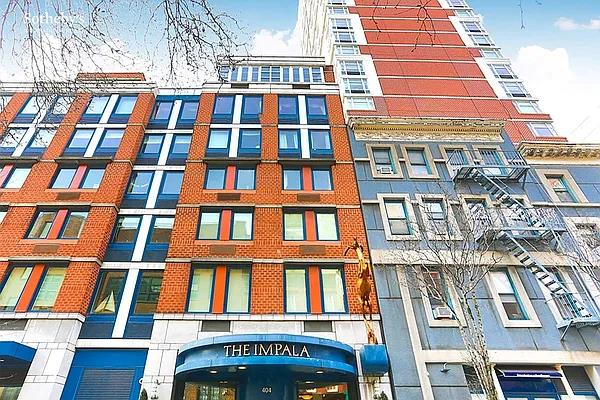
column 311, row 242
column 48, row 241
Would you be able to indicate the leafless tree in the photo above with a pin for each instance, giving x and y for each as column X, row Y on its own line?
column 451, row 257
column 581, row 245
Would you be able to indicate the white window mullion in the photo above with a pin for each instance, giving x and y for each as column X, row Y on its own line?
column 142, row 237
column 154, row 189
column 109, row 108
column 234, row 142
column 174, row 114
column 24, row 141
column 302, row 109
column 304, row 143
column 89, row 152
column 166, row 147
column 125, row 304
column 237, row 109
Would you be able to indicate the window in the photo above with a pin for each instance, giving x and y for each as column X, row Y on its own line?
column 242, row 226
column 472, row 26
column 63, row 178
column 223, row 110
column 514, row 89
column 188, row 112
column 543, row 129
column 218, row 141
column 491, row 53
column 238, row 290
column 151, row 146
column 296, row 290
column 126, row 230
column 457, row 3
column 160, row 233
column 16, row 178
column 2, row 214
column 73, row 225
column 209, row 225
column 11, row 139
column 245, row 179
column 171, row 184
column 93, row 178
column 321, row 179
column 338, row 10
column 360, row 103
column 561, row 189
column 292, row 179
column 356, row 85
column 344, row 37
column 437, row 290
column 417, row 162
column 32, row 107
column 224, row 73
column 334, row 299
column 181, row 146
column 481, row 40
column 505, row 289
column 215, row 178
column 200, row 297
column 326, row 226
column 62, row 224
column 528, row 107
column 47, row 282
column 147, row 292
column 341, row 23
column 293, row 226
column 49, row 288
column 310, row 225
column 288, row 110
column 320, row 143
column 316, row 74
column 41, row 140
column 125, row 105
column 109, row 292
column 316, row 109
column 503, row 71
column 397, row 217
column 435, row 212
column 79, row 141
column 352, row 67
column 346, row 50
column 249, row 142
column 140, row 182
column 251, row 109
column 162, row 111
column 110, row 141
column 97, row 105
column 289, row 142
column 384, row 161
column 328, row 296
column 464, row 13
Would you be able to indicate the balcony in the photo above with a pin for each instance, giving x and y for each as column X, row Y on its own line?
column 575, row 309
column 505, row 165
column 533, row 223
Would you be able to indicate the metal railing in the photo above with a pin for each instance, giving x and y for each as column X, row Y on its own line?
column 575, row 307
column 502, row 164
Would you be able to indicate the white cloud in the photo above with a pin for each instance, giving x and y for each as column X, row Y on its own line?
column 276, row 43
column 568, row 24
column 567, row 91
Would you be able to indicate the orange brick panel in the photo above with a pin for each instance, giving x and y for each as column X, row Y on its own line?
column 412, row 38
column 335, row 111
column 205, row 109
column 267, row 289
column 270, row 109
column 382, row 24
column 3, row 269
column 10, row 111
column 142, row 109
column 76, row 291
column 174, row 289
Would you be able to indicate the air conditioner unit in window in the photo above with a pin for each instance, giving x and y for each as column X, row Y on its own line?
column 442, row 312
column 385, row 170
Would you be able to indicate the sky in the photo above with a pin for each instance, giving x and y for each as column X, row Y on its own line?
column 556, row 53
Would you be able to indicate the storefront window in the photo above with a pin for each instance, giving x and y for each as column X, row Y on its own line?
column 320, row 391
column 207, row 391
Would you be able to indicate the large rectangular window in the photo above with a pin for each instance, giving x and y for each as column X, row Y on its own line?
column 326, row 226
column 61, row 224
column 46, row 282
column 310, row 225
column 384, row 161
column 417, row 162
column 320, row 143
column 292, row 179
column 11, row 138
column 15, row 179
column 48, row 289
column 40, row 141
column 108, row 293
column 288, row 110
column 148, row 292
column 296, row 290
column 219, row 290
column 215, row 178
column 559, row 185
column 110, row 141
column 316, row 110
column 209, row 225
column 223, row 110
column 188, row 112
column 139, row 183
column 293, row 226
column 289, row 142
column 13, row 287
column 249, row 144
column 126, row 230
column 238, row 290
column 151, row 146
column 200, row 297
column 218, row 142
column 252, row 106
column 332, row 283
column 314, row 289
column 79, row 141
column 162, row 111
column 509, row 297
column 397, row 217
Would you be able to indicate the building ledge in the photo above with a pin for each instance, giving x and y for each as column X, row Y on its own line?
column 588, row 151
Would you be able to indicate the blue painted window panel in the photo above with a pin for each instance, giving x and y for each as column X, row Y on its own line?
column 289, row 143
column 249, row 144
column 29, row 110
column 251, row 109
column 140, row 321
column 150, row 149
column 11, row 139
column 170, row 189
column 321, row 179
column 223, row 110
column 218, row 142
column 57, row 111
column 138, row 189
column 109, row 144
column 79, row 142
column 123, row 109
column 187, row 115
column 158, row 239
column 123, row 240
column 40, row 141
column 288, row 110
column 320, row 143
column 179, row 149
column 215, row 178
column 95, row 109
column 292, row 179
column 316, row 109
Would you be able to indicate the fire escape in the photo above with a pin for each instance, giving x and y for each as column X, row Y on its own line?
column 494, row 171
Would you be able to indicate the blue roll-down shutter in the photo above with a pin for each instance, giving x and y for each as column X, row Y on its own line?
column 105, row 374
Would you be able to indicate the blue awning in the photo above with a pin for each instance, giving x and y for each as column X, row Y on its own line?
column 15, row 353
column 538, row 373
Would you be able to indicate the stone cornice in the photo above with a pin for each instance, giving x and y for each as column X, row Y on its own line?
column 438, row 129
column 574, row 151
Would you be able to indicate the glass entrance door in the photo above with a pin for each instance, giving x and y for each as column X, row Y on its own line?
column 322, row 391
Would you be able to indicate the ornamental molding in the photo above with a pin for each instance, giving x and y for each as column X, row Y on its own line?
column 574, row 151
column 434, row 129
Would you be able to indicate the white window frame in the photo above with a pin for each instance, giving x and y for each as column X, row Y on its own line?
column 394, row 160
column 506, row 66
column 488, row 40
column 440, row 323
column 410, row 215
column 355, row 49
column 344, row 68
column 525, row 301
column 533, row 104
column 359, row 103
column 512, row 95
column 450, row 217
column 348, row 83
column 546, row 125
